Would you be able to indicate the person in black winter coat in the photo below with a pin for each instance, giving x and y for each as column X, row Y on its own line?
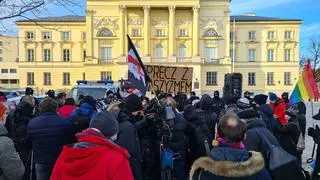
column 196, row 131
column 289, row 133
column 16, row 124
column 207, row 114
column 266, row 113
column 192, row 97
column 128, row 135
column 229, row 159
column 217, row 102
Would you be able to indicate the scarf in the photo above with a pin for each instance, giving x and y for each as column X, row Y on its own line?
column 220, row 142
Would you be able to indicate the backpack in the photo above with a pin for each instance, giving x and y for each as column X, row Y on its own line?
column 81, row 121
column 203, row 138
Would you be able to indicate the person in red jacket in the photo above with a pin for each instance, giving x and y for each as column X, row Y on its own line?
column 279, row 108
column 67, row 108
column 95, row 156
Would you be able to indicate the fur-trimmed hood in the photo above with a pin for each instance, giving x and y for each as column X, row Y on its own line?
column 230, row 169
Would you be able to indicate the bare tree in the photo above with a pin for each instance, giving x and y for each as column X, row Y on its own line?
column 314, row 52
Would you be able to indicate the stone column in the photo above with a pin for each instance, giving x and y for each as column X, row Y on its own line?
column 171, row 30
column 195, row 31
column 146, row 27
column 122, row 9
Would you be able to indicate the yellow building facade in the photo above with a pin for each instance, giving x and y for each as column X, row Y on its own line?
column 9, row 77
column 54, row 52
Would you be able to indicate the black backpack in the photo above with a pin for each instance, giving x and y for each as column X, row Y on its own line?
column 81, row 121
column 203, row 137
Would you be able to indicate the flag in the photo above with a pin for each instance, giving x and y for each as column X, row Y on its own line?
column 306, row 87
column 136, row 72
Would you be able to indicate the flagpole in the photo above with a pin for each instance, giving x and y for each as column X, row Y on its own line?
column 233, row 44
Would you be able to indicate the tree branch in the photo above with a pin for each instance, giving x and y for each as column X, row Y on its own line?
column 23, row 10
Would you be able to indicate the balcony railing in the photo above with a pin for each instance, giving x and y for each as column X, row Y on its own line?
column 105, row 61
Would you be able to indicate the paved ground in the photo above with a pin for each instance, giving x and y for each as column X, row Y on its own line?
column 310, row 122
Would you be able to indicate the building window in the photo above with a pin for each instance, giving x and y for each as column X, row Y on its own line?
column 105, row 32
column 84, row 36
column 287, row 55
column 232, row 55
column 46, row 78
column 270, row 78
column 106, row 53
column 251, row 79
column 13, row 71
column 136, row 32
column 287, row 35
column 183, row 33
column 252, row 55
column 13, row 81
column 231, row 36
column 106, row 75
column 30, row 54
column 84, row 55
column 4, row 71
column 271, row 35
column 159, row 51
column 66, row 78
column 270, row 55
column 211, row 78
column 159, row 33
column 0, row 43
column 211, row 33
column 211, row 53
column 29, row 35
column 66, row 55
column 46, row 55
column 252, row 35
column 287, row 78
column 0, row 51
column 46, row 35
column 137, row 48
column 4, row 81
column 182, row 51
column 30, row 78
column 66, row 36
column 1, row 59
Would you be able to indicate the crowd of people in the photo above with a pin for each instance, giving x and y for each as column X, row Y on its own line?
column 260, row 137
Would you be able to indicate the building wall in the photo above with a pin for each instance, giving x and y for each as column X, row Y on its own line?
column 206, row 25
column 9, row 78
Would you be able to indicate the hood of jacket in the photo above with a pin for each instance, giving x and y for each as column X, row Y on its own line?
column 3, row 130
column 206, row 102
column 229, row 162
column 266, row 109
column 257, row 122
column 79, row 159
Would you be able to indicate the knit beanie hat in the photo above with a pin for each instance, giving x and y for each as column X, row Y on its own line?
column 3, row 110
column 243, row 103
column 89, row 100
column 248, row 114
column 260, row 99
column 133, row 103
column 272, row 96
column 106, row 123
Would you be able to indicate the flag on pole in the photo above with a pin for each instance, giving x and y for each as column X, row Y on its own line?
column 306, row 87
column 137, row 74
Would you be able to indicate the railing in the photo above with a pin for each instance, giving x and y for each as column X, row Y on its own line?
column 105, row 61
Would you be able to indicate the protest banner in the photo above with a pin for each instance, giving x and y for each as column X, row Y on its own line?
column 170, row 79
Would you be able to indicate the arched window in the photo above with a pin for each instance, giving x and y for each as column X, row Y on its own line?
column 159, row 50
column 105, row 33
column 182, row 51
column 137, row 48
column 211, row 33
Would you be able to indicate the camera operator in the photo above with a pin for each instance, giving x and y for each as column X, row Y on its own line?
column 315, row 134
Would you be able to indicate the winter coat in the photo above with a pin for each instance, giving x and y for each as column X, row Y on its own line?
column 178, row 140
column 48, row 133
column 217, row 105
column 207, row 114
column 66, row 110
column 11, row 166
column 266, row 114
column 16, row 124
column 128, row 138
column 254, row 142
column 279, row 108
column 192, row 98
column 302, row 123
column 86, row 110
column 228, row 163
column 289, row 135
column 93, row 157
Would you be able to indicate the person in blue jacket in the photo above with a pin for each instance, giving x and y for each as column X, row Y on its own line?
column 87, row 108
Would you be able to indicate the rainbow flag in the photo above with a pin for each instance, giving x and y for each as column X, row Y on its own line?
column 306, row 87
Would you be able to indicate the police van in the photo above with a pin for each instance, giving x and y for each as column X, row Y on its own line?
column 96, row 89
